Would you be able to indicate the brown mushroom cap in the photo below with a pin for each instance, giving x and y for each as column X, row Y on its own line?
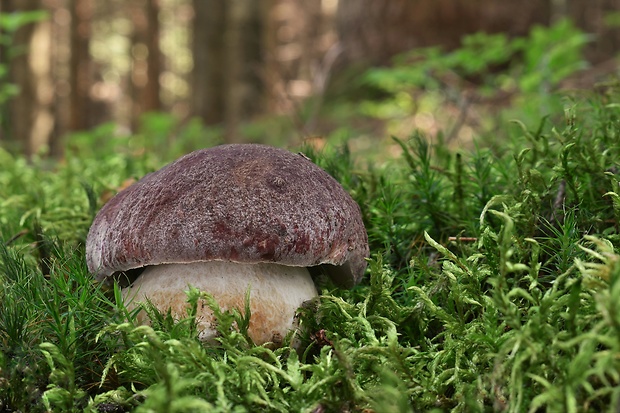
column 242, row 203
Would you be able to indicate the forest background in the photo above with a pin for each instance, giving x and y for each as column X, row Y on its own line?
column 264, row 70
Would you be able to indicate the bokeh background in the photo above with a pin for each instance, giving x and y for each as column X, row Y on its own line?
column 285, row 71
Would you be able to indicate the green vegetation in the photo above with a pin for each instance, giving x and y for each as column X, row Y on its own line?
column 9, row 24
column 493, row 284
column 491, row 79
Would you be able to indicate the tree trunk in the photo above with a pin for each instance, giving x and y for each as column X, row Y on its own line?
column 208, row 93
column 227, row 46
column 79, row 65
column 151, row 100
column 589, row 16
column 146, row 59
column 296, row 42
column 32, row 122
column 4, row 79
column 242, row 62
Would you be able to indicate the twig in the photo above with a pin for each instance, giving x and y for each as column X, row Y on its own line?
column 558, row 203
column 15, row 237
column 463, row 239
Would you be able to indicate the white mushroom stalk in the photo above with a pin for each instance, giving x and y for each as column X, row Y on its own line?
column 276, row 292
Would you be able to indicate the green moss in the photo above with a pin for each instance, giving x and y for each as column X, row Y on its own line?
column 492, row 286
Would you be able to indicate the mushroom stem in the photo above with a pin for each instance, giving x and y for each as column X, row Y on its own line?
column 276, row 292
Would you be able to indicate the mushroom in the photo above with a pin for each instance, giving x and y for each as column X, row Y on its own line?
column 228, row 219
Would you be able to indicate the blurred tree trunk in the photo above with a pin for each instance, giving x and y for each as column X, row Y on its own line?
column 80, row 65
column 31, row 120
column 296, row 42
column 227, row 48
column 590, row 16
column 243, row 38
column 4, row 78
column 373, row 31
column 146, row 58
column 61, row 57
column 208, row 92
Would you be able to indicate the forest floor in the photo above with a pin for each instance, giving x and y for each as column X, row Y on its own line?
column 492, row 283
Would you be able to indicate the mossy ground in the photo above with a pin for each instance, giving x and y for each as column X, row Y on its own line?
column 493, row 285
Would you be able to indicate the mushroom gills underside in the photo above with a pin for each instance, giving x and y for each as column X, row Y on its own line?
column 276, row 292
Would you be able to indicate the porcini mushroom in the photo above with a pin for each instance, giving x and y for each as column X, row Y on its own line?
column 226, row 219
